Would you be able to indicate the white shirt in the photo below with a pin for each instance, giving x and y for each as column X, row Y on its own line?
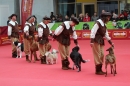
column 40, row 29
column 26, row 28
column 61, row 28
column 10, row 28
column 96, row 27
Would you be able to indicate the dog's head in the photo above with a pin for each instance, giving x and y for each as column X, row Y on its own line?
column 54, row 51
column 16, row 43
column 111, row 51
column 76, row 49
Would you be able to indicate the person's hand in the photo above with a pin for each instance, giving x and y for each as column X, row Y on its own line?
column 91, row 44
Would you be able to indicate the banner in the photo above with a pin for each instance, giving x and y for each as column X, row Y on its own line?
column 4, row 29
column 129, row 35
column 89, row 25
column 81, row 34
column 26, row 10
column 4, row 40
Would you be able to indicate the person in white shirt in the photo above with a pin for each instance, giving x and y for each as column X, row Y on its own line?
column 29, row 30
column 43, row 34
column 13, row 33
column 98, row 32
column 62, row 35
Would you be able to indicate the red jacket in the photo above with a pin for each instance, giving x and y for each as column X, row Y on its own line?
column 86, row 19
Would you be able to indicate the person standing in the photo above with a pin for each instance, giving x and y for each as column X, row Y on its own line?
column 13, row 33
column 43, row 34
column 94, row 17
column 29, row 37
column 86, row 18
column 62, row 35
column 98, row 32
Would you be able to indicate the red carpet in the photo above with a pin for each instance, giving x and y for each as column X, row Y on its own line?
column 18, row 72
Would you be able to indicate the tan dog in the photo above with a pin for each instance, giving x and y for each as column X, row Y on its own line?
column 111, row 59
column 33, row 49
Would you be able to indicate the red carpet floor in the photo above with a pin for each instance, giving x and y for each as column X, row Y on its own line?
column 18, row 72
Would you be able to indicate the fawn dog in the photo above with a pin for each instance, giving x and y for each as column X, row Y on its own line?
column 34, row 48
column 110, row 59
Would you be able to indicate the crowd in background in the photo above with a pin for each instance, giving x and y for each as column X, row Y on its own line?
column 125, row 15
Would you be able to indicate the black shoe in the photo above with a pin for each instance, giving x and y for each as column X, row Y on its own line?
column 43, row 60
column 64, row 66
column 14, row 55
column 27, row 58
column 98, row 70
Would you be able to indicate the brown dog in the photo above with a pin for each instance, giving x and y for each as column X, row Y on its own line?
column 111, row 59
column 34, row 48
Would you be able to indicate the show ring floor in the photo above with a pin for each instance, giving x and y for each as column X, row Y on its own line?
column 18, row 72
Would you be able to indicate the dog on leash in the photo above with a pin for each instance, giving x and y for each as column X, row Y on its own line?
column 33, row 49
column 51, row 57
column 76, row 57
column 111, row 59
column 20, row 48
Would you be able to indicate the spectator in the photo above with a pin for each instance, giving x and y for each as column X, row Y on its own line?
column 86, row 18
column 67, row 18
column 52, row 15
column 57, row 16
column 114, row 23
column 81, row 17
column 128, row 17
column 103, row 11
column 60, row 18
column 121, row 16
column 53, row 20
column 72, row 16
column 114, row 16
column 94, row 17
column 125, row 15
